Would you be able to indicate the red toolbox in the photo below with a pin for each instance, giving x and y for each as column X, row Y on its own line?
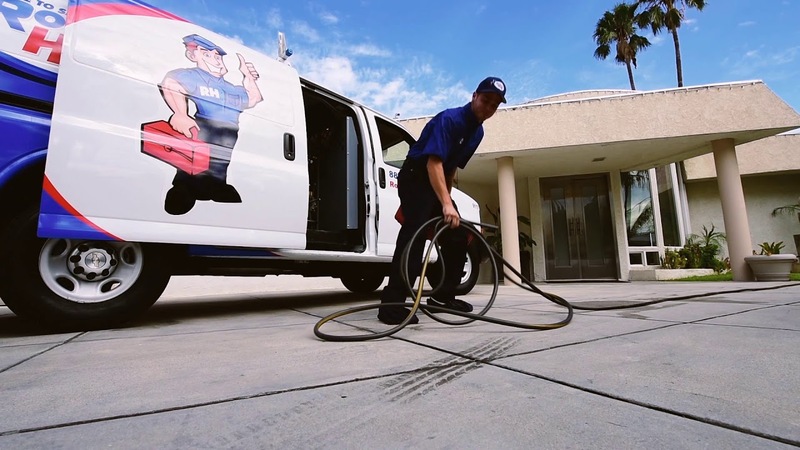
column 160, row 141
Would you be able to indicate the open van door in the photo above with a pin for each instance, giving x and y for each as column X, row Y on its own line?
column 164, row 131
column 391, row 144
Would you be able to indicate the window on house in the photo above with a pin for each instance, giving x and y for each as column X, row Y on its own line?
column 667, row 206
column 638, row 200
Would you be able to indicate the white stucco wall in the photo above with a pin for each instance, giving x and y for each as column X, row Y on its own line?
column 773, row 154
column 763, row 193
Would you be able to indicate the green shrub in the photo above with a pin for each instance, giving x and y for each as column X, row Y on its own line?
column 673, row 260
column 701, row 251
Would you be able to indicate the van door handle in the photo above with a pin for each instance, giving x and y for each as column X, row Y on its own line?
column 288, row 146
column 381, row 178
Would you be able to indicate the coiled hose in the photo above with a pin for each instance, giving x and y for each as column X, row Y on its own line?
column 439, row 226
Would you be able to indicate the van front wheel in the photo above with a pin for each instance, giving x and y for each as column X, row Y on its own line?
column 76, row 284
column 362, row 283
column 469, row 275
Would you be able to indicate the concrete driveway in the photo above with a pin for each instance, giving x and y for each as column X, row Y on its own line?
column 234, row 363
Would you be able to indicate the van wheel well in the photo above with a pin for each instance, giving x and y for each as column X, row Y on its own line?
column 21, row 192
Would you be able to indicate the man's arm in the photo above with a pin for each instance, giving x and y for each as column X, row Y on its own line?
column 449, row 180
column 441, row 184
column 175, row 96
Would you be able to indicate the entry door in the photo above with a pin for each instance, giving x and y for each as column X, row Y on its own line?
column 579, row 242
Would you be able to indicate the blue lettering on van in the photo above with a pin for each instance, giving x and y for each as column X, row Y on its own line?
column 14, row 11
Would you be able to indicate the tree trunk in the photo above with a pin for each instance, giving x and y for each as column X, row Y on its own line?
column 678, row 64
column 630, row 75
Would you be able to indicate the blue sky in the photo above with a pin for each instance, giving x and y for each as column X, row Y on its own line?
column 416, row 57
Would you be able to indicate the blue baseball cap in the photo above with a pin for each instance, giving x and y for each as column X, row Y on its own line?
column 194, row 39
column 493, row 85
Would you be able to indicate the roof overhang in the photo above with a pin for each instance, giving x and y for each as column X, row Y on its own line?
column 627, row 131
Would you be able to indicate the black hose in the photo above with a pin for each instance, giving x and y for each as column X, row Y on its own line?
column 494, row 257
column 440, row 227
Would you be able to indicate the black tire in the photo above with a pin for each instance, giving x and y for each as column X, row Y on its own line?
column 469, row 278
column 362, row 283
column 52, row 283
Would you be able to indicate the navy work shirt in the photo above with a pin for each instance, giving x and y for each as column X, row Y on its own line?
column 453, row 135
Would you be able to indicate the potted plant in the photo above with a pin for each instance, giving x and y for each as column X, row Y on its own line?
column 770, row 264
column 495, row 239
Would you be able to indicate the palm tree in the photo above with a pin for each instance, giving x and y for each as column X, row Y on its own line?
column 618, row 26
column 667, row 14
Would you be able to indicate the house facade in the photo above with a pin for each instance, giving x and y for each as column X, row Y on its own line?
column 611, row 179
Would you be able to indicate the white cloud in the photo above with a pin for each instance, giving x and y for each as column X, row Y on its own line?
column 334, row 72
column 785, row 56
column 369, row 50
column 763, row 64
column 236, row 38
column 304, row 30
column 328, row 18
column 748, row 23
column 691, row 24
column 212, row 21
column 274, row 19
column 377, row 76
column 414, row 90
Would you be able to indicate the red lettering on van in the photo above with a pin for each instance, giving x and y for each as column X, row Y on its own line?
column 37, row 40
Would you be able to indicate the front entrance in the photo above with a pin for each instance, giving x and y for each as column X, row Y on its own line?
column 578, row 233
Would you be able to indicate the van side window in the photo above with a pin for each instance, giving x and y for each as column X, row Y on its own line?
column 395, row 142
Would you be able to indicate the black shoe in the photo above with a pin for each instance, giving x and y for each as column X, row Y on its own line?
column 455, row 304
column 178, row 201
column 395, row 314
column 226, row 194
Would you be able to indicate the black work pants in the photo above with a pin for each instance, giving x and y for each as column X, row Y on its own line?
column 419, row 203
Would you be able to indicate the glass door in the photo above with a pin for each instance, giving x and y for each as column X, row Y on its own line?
column 578, row 234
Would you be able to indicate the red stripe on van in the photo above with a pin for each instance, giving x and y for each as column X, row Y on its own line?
column 53, row 192
column 88, row 11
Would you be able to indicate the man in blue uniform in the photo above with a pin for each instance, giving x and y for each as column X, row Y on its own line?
column 446, row 143
column 216, row 122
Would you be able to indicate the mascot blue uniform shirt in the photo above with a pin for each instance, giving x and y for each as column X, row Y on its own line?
column 453, row 135
column 216, row 98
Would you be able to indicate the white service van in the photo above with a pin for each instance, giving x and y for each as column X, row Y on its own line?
column 137, row 146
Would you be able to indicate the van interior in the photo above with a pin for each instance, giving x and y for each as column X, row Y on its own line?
column 336, row 170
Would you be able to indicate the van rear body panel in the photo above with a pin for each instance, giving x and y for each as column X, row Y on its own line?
column 120, row 65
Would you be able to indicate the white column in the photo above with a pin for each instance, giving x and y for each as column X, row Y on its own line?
column 508, row 214
column 620, row 228
column 537, row 229
column 734, row 212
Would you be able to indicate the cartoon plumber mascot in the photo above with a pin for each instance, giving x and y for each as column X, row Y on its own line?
column 216, row 122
